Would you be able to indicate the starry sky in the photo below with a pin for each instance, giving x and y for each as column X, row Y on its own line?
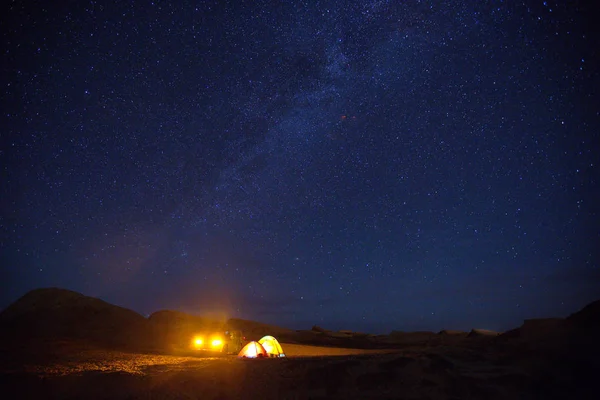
column 367, row 165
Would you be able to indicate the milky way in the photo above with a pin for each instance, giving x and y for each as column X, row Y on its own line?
column 363, row 165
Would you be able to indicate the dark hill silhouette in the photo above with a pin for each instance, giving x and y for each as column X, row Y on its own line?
column 59, row 314
column 578, row 329
column 587, row 318
column 535, row 328
column 583, row 332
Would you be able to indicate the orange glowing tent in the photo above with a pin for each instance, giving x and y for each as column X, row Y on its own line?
column 272, row 346
column 253, row 350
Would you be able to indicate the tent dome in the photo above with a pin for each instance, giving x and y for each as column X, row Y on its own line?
column 272, row 346
column 253, row 350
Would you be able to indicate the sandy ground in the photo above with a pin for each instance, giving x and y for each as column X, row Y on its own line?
column 300, row 350
column 309, row 372
column 95, row 360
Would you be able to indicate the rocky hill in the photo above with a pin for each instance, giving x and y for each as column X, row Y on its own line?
column 59, row 314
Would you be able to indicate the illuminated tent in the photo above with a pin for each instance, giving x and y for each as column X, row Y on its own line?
column 253, row 350
column 271, row 346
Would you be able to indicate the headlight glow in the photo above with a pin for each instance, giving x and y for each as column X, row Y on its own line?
column 217, row 342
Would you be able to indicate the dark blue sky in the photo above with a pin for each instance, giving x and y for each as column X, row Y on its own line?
column 369, row 165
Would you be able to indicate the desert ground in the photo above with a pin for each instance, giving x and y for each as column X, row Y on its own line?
column 308, row 372
column 542, row 359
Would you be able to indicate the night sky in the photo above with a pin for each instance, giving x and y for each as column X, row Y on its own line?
column 368, row 165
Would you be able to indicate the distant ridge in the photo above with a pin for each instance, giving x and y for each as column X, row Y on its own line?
column 43, row 317
column 482, row 332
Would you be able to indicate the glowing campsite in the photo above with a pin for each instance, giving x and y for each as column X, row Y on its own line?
column 267, row 346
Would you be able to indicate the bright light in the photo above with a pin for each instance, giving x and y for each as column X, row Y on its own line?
column 198, row 341
column 268, row 347
column 217, row 343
